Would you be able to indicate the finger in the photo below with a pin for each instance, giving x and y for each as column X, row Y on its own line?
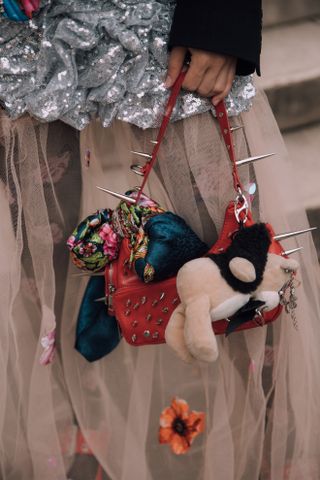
column 175, row 64
column 218, row 98
column 221, row 84
column 206, row 87
column 197, row 69
column 222, row 88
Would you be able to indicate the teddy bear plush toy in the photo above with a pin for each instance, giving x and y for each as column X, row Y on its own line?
column 219, row 285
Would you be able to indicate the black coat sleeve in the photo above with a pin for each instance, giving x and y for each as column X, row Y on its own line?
column 230, row 27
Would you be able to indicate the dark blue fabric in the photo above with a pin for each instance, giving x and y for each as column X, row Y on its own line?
column 172, row 243
column 13, row 11
column 97, row 333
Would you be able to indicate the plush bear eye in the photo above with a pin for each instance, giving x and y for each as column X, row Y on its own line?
column 287, row 270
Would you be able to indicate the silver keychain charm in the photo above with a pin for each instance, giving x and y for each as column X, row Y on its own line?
column 290, row 302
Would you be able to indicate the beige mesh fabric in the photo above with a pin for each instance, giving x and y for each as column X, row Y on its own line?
column 35, row 411
column 262, row 396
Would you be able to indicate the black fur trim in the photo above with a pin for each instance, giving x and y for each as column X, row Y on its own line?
column 251, row 243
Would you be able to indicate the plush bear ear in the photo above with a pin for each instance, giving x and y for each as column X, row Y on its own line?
column 242, row 269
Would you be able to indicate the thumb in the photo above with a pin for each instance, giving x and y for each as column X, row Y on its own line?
column 176, row 61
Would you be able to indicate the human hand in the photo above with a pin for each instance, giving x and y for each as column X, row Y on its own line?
column 209, row 74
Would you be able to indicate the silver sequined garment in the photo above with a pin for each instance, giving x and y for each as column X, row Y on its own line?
column 81, row 59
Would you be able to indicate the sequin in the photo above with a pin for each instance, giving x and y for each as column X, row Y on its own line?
column 78, row 60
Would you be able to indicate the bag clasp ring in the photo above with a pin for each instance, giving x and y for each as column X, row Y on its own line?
column 241, row 206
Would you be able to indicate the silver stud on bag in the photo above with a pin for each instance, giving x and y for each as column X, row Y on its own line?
column 143, row 300
column 148, row 317
column 135, row 323
column 101, row 299
column 165, row 310
column 245, row 161
column 155, row 335
column 293, row 250
column 146, row 333
column 162, row 295
column 259, row 318
column 138, row 169
column 159, row 321
column 127, row 313
column 134, row 337
column 141, row 154
column 236, row 127
column 175, row 301
column 128, row 302
column 136, row 306
column 88, row 274
column 125, row 198
column 154, row 303
column 283, row 236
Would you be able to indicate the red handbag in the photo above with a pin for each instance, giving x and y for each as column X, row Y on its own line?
column 143, row 310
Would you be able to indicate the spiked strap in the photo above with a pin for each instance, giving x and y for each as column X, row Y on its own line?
column 224, row 124
column 164, row 124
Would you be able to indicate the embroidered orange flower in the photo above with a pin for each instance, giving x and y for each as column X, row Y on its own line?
column 179, row 427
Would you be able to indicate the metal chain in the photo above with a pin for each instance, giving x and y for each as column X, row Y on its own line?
column 289, row 299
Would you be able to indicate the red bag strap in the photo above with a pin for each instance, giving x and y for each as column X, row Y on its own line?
column 222, row 117
column 224, row 124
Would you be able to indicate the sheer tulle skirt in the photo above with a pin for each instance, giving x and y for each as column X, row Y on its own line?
column 262, row 396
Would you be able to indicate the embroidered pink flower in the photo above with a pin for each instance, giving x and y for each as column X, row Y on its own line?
column 48, row 345
column 111, row 240
column 52, row 462
column 269, row 354
column 252, row 366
